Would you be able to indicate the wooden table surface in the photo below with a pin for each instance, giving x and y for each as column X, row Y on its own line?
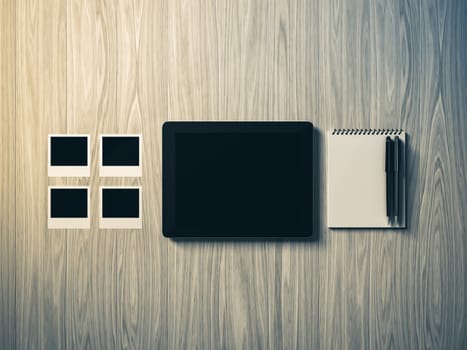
column 126, row 66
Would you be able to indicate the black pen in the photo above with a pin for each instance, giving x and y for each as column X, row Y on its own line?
column 397, row 147
column 388, row 170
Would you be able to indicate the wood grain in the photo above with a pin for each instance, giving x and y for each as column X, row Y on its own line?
column 392, row 267
column 398, row 309
column 84, row 66
column 81, row 117
column 93, row 255
column 294, row 92
column 141, row 108
column 247, row 42
column 442, row 176
column 345, row 84
column 7, row 175
column 193, row 69
column 131, row 272
column 40, row 108
column 265, row 74
column 195, row 269
column 385, row 112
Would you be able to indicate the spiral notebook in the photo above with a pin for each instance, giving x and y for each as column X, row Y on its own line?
column 357, row 179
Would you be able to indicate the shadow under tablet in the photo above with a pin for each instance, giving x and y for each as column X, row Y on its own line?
column 238, row 179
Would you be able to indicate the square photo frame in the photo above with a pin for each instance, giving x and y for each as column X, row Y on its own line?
column 120, row 207
column 68, row 207
column 120, row 155
column 69, row 155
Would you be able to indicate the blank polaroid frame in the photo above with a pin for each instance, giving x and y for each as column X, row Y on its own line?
column 120, row 155
column 120, row 207
column 68, row 207
column 69, row 155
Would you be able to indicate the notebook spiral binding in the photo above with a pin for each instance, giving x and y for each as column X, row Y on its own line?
column 392, row 132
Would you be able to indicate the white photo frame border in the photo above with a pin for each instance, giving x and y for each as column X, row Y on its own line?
column 68, row 171
column 68, row 223
column 121, row 223
column 120, row 171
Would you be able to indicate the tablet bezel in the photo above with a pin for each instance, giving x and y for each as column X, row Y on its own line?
column 170, row 130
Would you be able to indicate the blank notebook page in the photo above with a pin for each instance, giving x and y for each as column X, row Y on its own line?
column 357, row 181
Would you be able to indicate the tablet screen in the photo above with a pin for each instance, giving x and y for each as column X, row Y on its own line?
column 237, row 179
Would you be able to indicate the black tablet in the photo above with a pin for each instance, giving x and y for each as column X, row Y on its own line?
column 237, row 179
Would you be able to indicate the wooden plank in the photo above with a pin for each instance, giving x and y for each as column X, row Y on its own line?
column 103, row 244
column 345, row 66
column 52, row 82
column 404, row 248
column 193, row 60
column 458, row 106
column 29, row 246
column 261, row 58
column 453, row 82
column 142, row 108
column 153, row 89
column 331, row 286
column 442, row 272
column 91, row 292
column 195, row 269
column 394, row 29
column 247, row 44
column 266, row 73
column 40, row 105
column 7, row 175
column 293, row 301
